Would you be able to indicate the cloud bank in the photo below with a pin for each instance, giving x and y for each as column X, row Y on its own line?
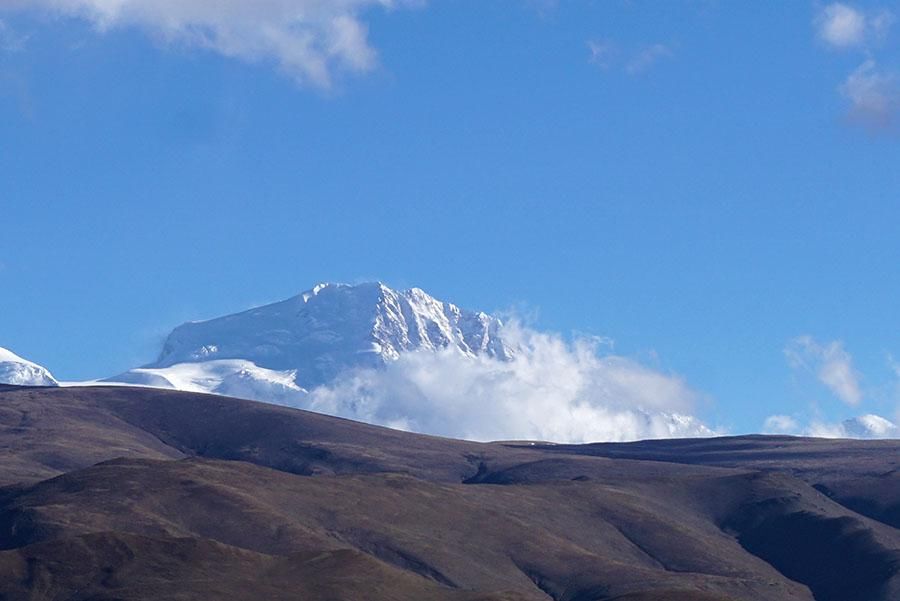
column 311, row 40
column 831, row 364
column 553, row 390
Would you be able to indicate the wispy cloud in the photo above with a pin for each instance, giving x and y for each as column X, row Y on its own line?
column 874, row 96
column 833, row 367
column 552, row 390
column 894, row 366
column 843, row 26
column 871, row 91
column 602, row 53
column 647, row 57
column 311, row 40
column 830, row 363
column 10, row 39
column 780, row 424
column 607, row 54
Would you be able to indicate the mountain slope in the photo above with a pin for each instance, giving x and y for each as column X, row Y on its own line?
column 863, row 476
column 19, row 372
column 333, row 509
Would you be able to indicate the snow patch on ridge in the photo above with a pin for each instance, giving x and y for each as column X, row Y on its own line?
column 234, row 377
column 20, row 372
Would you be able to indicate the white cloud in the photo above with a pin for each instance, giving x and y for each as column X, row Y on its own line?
column 648, row 57
column 841, row 25
column 893, row 364
column 11, row 40
column 831, row 364
column 311, row 40
column 552, row 390
column 873, row 94
column 780, row 424
column 880, row 23
column 607, row 54
column 602, row 52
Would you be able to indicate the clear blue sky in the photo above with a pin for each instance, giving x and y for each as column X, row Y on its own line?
column 703, row 182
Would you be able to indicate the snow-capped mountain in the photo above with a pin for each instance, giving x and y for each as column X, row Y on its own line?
column 406, row 360
column 20, row 372
column 311, row 338
column 869, row 426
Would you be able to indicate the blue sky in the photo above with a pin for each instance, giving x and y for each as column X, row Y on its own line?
column 712, row 185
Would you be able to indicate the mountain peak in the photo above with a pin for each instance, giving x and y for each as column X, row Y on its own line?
column 332, row 327
column 869, row 426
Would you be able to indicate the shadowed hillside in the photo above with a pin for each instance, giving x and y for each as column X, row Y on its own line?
column 126, row 493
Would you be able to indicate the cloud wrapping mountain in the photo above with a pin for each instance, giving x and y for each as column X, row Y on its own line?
column 551, row 390
column 407, row 360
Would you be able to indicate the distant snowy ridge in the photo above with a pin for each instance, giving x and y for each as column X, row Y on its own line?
column 229, row 377
column 21, row 372
column 868, row 426
column 406, row 360
column 334, row 327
